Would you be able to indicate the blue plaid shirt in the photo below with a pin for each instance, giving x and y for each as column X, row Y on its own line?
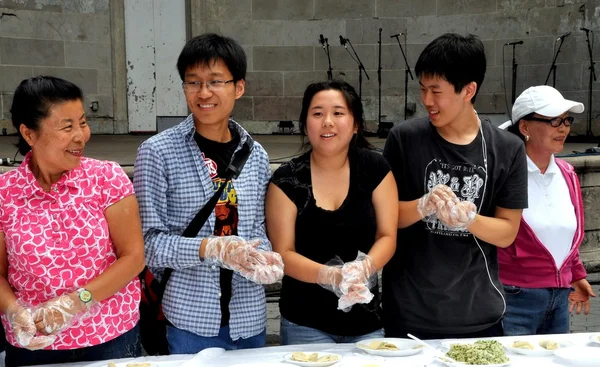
column 172, row 183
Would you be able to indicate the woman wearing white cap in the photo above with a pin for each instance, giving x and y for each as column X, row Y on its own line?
column 543, row 264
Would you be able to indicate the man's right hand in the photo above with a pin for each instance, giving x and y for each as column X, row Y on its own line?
column 241, row 256
column 21, row 321
column 429, row 203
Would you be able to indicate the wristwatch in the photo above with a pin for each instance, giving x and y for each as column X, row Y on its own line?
column 85, row 297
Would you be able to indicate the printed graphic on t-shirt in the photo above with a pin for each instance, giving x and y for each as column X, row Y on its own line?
column 226, row 210
column 466, row 181
column 211, row 165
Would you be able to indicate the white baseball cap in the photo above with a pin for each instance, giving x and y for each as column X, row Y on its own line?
column 543, row 100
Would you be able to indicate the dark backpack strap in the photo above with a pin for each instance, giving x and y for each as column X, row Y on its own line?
column 233, row 171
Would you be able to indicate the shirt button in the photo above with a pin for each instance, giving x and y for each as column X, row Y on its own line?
column 55, row 189
column 213, row 267
column 219, row 294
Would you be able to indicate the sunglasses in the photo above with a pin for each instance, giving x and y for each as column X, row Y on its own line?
column 554, row 122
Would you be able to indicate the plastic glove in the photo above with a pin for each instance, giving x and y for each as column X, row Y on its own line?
column 23, row 326
column 241, row 256
column 330, row 276
column 429, row 203
column 272, row 272
column 60, row 313
column 457, row 214
column 358, row 277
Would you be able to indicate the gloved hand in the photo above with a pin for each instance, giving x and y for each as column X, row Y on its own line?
column 429, row 203
column 358, row 277
column 272, row 272
column 241, row 256
column 457, row 214
column 330, row 276
column 61, row 312
column 21, row 321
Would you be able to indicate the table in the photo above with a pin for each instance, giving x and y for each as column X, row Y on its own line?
column 352, row 356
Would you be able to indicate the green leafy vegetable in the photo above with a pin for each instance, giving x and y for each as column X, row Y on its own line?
column 482, row 352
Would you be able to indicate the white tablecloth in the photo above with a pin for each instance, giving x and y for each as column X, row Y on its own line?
column 352, row 356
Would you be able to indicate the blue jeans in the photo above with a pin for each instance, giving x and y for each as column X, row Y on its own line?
column 297, row 334
column 124, row 346
column 532, row 311
column 185, row 342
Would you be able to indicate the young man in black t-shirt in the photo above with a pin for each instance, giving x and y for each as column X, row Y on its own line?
column 462, row 185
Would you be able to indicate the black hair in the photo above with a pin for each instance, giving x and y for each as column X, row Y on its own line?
column 34, row 98
column 209, row 48
column 352, row 100
column 514, row 128
column 457, row 59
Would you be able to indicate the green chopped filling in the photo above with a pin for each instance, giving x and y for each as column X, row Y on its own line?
column 482, row 352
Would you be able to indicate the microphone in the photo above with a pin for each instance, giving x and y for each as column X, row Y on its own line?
column 6, row 162
column 513, row 43
column 322, row 40
column 396, row 35
column 343, row 41
column 584, row 29
column 563, row 36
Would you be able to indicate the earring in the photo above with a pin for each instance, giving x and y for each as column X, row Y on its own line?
column 526, row 137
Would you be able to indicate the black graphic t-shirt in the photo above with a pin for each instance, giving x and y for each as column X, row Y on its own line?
column 437, row 281
column 321, row 235
column 217, row 156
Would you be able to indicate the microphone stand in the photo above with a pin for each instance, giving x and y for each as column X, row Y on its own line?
column 361, row 67
column 407, row 72
column 591, row 80
column 514, row 76
column 553, row 66
column 379, row 80
column 329, row 69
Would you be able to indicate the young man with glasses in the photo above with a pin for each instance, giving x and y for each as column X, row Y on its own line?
column 462, row 185
column 215, row 296
column 542, row 265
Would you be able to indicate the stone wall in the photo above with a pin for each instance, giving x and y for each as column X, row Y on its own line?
column 281, row 39
column 83, row 40
column 588, row 170
column 68, row 39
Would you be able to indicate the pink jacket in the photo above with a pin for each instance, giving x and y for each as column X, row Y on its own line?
column 528, row 264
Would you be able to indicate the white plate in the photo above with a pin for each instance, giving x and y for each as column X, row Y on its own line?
column 580, row 356
column 450, row 364
column 448, row 344
column 288, row 358
column 538, row 351
column 595, row 338
column 407, row 347
column 261, row 364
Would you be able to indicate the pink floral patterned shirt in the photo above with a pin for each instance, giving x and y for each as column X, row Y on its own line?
column 58, row 241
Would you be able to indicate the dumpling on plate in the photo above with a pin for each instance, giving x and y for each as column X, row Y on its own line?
column 328, row 358
column 305, row 357
column 379, row 345
column 521, row 344
column 549, row 344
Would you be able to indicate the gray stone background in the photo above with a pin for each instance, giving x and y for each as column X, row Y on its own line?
column 83, row 41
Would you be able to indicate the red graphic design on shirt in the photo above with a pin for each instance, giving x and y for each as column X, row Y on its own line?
column 211, row 165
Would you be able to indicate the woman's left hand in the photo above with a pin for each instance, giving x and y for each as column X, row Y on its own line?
column 58, row 313
column 580, row 298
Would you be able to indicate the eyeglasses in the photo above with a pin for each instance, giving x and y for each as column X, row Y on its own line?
column 554, row 122
column 212, row 85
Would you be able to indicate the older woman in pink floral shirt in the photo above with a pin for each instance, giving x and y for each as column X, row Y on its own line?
column 70, row 238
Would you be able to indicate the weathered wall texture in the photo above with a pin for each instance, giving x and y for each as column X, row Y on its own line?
column 280, row 37
column 83, row 40
column 69, row 39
